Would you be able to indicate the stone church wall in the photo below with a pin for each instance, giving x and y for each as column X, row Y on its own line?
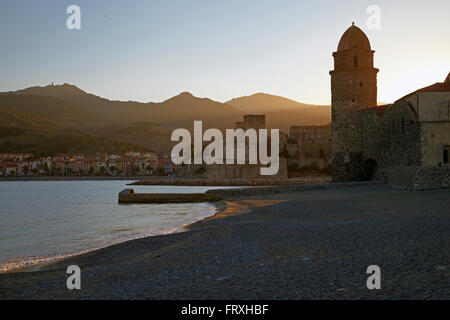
column 418, row 178
column 393, row 138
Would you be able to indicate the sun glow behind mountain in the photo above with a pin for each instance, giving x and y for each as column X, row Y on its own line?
column 152, row 50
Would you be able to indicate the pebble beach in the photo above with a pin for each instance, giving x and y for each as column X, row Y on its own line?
column 312, row 244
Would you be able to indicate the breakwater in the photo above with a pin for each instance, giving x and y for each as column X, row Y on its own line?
column 129, row 196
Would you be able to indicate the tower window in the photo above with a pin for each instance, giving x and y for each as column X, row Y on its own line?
column 355, row 61
column 361, row 84
column 346, row 158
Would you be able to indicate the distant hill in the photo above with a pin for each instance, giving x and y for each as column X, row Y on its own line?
column 263, row 102
column 148, row 135
column 179, row 111
column 70, row 110
column 283, row 120
column 55, row 110
column 281, row 113
column 24, row 132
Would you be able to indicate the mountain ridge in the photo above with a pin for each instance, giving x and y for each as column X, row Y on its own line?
column 265, row 102
column 150, row 124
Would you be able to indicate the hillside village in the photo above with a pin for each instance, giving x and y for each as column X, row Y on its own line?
column 307, row 150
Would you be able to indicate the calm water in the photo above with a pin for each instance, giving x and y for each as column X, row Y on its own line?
column 42, row 220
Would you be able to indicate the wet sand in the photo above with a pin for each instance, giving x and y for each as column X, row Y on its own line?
column 303, row 245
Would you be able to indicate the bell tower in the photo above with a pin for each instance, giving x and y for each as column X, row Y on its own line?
column 353, row 88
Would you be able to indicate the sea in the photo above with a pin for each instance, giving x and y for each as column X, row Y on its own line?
column 41, row 221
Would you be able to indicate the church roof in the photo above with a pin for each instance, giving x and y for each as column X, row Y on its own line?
column 353, row 38
column 437, row 87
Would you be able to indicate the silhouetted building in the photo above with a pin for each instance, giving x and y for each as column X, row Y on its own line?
column 353, row 88
column 407, row 141
column 310, row 134
column 254, row 122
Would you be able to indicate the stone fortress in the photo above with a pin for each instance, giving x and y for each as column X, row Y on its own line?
column 406, row 143
column 238, row 171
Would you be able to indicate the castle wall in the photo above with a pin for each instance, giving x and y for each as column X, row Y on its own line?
column 243, row 171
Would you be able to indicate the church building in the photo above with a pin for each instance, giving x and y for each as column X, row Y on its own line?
column 406, row 143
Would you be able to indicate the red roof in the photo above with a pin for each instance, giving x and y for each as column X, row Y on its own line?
column 445, row 86
column 437, row 87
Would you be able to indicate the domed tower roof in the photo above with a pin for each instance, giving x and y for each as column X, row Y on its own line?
column 353, row 38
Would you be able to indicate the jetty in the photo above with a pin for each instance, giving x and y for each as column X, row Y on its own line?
column 129, row 196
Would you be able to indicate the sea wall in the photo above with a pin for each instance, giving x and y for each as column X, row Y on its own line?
column 260, row 191
column 128, row 196
column 230, row 171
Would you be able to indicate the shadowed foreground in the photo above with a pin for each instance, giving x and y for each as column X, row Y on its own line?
column 305, row 245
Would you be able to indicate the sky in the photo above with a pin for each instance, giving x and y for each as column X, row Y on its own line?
column 151, row 50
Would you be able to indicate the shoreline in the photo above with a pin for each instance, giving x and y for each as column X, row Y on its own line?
column 162, row 180
column 233, row 182
column 220, row 206
column 310, row 244
column 165, row 181
column 73, row 178
column 233, row 204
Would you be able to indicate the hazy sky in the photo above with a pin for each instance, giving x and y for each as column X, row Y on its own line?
column 151, row 50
